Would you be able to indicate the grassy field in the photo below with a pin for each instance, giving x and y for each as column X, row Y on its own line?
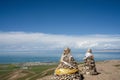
column 14, row 72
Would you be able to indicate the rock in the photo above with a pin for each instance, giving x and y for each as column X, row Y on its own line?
column 67, row 68
column 89, row 66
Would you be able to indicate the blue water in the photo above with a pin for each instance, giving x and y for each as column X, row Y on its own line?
column 54, row 57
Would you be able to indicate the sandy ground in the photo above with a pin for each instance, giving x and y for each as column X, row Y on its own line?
column 16, row 75
column 109, row 70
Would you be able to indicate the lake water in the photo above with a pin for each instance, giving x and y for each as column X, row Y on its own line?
column 53, row 57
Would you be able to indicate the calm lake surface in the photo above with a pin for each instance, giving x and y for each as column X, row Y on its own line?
column 19, row 57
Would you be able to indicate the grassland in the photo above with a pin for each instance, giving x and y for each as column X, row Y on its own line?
column 15, row 72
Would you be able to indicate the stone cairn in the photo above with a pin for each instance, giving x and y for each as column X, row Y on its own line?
column 89, row 66
column 67, row 68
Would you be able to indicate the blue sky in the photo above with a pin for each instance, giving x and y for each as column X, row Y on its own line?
column 78, row 24
column 71, row 17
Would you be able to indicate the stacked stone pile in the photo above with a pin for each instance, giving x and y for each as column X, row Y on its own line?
column 67, row 68
column 89, row 64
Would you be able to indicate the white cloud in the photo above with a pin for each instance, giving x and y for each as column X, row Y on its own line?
column 38, row 41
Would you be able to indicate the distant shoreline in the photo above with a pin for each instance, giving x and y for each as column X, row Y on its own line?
column 54, row 58
column 32, row 63
column 46, row 63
